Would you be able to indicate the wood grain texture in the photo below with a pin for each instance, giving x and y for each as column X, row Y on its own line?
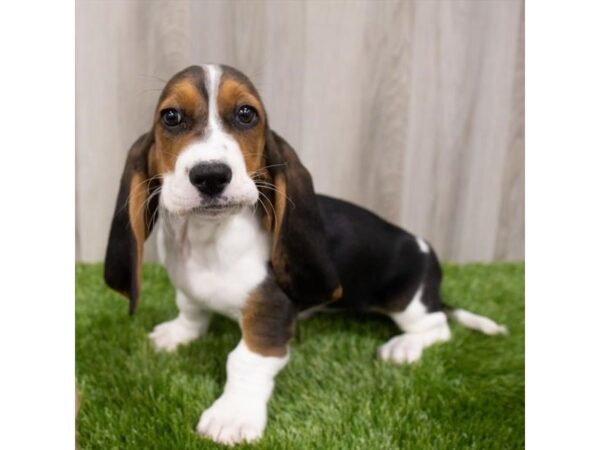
column 414, row 109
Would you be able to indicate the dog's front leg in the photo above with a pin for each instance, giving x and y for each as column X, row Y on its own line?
column 191, row 323
column 240, row 414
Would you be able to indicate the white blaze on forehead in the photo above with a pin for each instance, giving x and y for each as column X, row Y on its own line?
column 213, row 80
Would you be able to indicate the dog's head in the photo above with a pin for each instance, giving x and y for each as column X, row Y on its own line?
column 210, row 153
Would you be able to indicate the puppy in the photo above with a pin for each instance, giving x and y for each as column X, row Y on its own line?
column 242, row 233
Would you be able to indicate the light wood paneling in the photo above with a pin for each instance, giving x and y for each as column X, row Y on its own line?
column 414, row 109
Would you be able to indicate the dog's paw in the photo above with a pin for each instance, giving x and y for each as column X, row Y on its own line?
column 406, row 348
column 230, row 421
column 168, row 335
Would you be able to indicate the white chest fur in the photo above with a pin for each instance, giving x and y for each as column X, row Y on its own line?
column 215, row 264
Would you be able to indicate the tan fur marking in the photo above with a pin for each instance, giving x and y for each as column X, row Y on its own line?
column 257, row 332
column 280, row 204
column 164, row 156
column 232, row 95
column 337, row 293
column 183, row 96
column 138, row 194
column 155, row 164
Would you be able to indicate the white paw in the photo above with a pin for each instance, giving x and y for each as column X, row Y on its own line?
column 230, row 421
column 168, row 335
column 406, row 348
column 490, row 327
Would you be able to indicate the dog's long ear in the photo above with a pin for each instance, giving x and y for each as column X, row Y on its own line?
column 135, row 213
column 300, row 258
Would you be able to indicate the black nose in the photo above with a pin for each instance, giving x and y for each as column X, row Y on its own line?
column 210, row 178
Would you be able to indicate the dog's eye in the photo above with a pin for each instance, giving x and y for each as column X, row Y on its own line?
column 171, row 117
column 246, row 115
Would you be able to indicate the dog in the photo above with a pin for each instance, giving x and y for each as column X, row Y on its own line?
column 242, row 233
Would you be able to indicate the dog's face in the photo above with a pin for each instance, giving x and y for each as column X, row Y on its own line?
column 209, row 139
column 210, row 153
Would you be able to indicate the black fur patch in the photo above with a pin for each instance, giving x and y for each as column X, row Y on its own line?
column 380, row 265
column 120, row 263
column 306, row 273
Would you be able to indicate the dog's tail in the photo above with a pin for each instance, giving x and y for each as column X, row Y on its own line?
column 474, row 321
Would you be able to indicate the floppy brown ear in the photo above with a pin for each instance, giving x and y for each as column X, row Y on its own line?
column 134, row 216
column 300, row 257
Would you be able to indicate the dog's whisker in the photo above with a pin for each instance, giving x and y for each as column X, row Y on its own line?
column 272, row 208
column 146, row 203
column 136, row 192
column 272, row 187
column 262, row 169
column 150, row 198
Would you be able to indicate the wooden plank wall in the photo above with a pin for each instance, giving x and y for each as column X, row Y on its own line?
column 414, row 109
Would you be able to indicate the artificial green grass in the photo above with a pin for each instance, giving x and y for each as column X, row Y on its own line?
column 334, row 394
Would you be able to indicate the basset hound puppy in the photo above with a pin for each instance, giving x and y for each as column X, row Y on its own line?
column 242, row 233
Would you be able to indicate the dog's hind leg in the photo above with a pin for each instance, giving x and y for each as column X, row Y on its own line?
column 421, row 327
column 419, row 314
column 424, row 317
